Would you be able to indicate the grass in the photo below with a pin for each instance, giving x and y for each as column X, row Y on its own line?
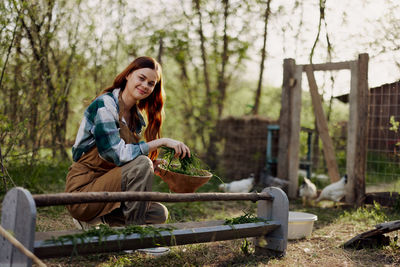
column 324, row 248
column 40, row 178
column 334, row 227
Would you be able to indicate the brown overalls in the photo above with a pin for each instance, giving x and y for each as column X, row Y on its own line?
column 91, row 173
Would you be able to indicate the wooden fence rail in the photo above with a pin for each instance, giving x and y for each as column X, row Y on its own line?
column 91, row 197
column 19, row 217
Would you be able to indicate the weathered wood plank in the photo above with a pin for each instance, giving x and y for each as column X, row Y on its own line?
column 330, row 66
column 294, row 137
column 181, row 225
column 373, row 237
column 329, row 153
column 135, row 241
column 288, row 84
column 358, row 131
column 362, row 128
column 278, row 211
column 91, row 197
column 18, row 217
column 351, row 135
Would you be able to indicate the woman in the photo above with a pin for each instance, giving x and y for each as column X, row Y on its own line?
column 108, row 154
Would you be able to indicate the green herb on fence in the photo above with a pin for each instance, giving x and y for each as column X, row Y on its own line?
column 247, row 218
column 103, row 231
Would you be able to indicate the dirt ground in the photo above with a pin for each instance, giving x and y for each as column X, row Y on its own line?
column 322, row 248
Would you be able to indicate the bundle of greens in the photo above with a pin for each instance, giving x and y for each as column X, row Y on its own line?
column 102, row 232
column 188, row 165
column 247, row 218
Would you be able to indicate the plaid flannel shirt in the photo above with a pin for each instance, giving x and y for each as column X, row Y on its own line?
column 100, row 127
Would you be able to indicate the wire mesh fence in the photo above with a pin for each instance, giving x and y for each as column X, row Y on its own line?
column 383, row 159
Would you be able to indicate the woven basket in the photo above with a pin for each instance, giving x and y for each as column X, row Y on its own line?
column 182, row 183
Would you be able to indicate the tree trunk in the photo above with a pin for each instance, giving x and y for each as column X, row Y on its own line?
column 212, row 157
column 160, row 50
column 14, row 99
column 263, row 55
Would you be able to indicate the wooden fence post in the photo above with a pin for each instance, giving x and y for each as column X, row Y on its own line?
column 284, row 118
column 289, row 125
column 277, row 210
column 19, row 218
column 357, row 131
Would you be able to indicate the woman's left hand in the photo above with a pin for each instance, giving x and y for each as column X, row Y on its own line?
column 156, row 163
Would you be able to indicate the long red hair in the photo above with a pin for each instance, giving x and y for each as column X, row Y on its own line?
column 152, row 105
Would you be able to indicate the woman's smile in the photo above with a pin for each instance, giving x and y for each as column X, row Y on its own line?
column 139, row 85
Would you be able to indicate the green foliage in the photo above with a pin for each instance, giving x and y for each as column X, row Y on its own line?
column 368, row 215
column 43, row 177
column 188, row 165
column 381, row 168
column 246, row 218
column 246, row 248
column 394, row 124
column 186, row 211
column 103, row 231
column 12, row 134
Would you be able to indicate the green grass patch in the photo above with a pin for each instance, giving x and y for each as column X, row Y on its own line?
column 382, row 168
column 42, row 177
column 369, row 215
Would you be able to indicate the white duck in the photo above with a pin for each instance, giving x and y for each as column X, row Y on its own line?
column 307, row 190
column 240, row 186
column 335, row 191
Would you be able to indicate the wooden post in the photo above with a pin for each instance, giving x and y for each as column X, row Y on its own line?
column 357, row 131
column 294, row 140
column 322, row 124
column 275, row 243
column 19, row 218
column 284, row 118
column 289, row 126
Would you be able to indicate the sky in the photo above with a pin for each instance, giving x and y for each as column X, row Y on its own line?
column 347, row 40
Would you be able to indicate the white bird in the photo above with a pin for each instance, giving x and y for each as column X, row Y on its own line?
column 240, row 186
column 307, row 190
column 335, row 191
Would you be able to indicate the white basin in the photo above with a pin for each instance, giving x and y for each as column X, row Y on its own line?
column 300, row 224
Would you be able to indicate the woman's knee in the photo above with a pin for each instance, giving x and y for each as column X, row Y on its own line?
column 144, row 160
column 141, row 163
column 137, row 175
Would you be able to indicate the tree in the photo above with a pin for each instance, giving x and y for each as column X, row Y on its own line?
column 263, row 56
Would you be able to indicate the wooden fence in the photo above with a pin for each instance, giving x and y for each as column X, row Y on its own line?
column 19, row 217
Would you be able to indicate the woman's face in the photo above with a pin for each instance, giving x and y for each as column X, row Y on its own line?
column 140, row 83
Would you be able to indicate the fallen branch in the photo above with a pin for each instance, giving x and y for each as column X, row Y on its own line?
column 21, row 247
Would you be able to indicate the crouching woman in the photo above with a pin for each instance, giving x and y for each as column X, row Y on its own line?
column 109, row 154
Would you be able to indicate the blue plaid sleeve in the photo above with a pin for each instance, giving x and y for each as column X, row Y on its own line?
column 109, row 143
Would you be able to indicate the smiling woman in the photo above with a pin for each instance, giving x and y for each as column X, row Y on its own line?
column 109, row 154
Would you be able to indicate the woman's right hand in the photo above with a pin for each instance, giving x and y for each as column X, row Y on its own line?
column 181, row 150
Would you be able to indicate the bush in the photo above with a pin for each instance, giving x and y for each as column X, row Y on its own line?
column 43, row 177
